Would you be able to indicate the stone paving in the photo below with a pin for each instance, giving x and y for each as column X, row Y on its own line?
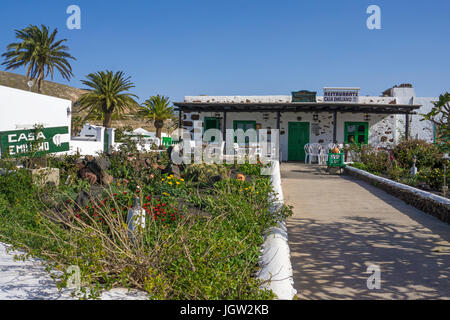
column 342, row 225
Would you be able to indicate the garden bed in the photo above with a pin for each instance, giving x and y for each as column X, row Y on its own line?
column 427, row 202
column 202, row 238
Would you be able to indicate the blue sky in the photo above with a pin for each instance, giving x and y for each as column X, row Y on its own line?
column 249, row 47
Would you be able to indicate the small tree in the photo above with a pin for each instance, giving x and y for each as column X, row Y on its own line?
column 108, row 95
column 158, row 110
column 440, row 115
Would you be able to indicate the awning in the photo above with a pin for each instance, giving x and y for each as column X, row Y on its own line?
column 315, row 107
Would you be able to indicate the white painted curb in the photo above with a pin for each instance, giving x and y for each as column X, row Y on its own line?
column 275, row 261
column 419, row 192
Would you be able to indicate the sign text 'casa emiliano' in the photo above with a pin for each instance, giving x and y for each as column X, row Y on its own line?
column 20, row 142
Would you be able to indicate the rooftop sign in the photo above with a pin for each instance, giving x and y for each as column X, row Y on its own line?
column 341, row 95
column 304, row 96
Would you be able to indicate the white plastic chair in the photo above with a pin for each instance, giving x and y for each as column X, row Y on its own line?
column 331, row 146
column 307, row 153
column 315, row 150
column 326, row 150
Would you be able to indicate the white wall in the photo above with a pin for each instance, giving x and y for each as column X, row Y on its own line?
column 381, row 127
column 86, row 148
column 22, row 110
column 384, row 130
column 418, row 129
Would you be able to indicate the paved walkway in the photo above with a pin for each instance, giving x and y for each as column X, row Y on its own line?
column 342, row 225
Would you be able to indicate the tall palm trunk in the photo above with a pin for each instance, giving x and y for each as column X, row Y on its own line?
column 107, row 122
column 39, row 80
column 159, row 125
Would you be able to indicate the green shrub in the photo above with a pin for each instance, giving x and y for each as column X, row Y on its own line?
column 376, row 161
column 359, row 165
column 433, row 177
column 204, row 172
column 18, row 187
column 428, row 154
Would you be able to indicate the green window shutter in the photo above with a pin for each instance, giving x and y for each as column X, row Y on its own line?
column 244, row 125
column 211, row 123
column 356, row 131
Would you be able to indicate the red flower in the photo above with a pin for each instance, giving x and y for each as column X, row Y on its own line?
column 125, row 193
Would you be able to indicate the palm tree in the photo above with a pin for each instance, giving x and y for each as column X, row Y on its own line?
column 158, row 110
column 108, row 95
column 39, row 53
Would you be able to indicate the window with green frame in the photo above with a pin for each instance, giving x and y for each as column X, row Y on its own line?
column 356, row 132
column 244, row 125
column 211, row 123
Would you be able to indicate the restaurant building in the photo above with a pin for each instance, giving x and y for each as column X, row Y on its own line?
column 340, row 116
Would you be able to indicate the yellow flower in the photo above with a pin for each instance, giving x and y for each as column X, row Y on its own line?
column 178, row 183
column 182, row 180
column 170, row 183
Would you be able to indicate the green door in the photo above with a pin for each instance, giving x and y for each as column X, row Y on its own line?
column 298, row 137
column 212, row 123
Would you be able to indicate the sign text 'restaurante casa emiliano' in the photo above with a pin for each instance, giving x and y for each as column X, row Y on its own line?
column 341, row 95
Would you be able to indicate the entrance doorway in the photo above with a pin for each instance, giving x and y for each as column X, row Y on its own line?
column 298, row 137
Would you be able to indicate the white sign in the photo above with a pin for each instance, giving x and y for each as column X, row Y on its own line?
column 341, row 95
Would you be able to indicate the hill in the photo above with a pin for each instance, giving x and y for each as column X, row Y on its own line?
column 49, row 88
column 63, row 91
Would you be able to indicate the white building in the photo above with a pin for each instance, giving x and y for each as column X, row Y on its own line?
column 340, row 116
column 21, row 111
